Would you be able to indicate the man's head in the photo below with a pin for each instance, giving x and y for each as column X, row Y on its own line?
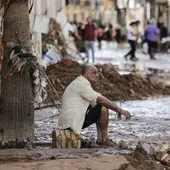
column 137, row 22
column 90, row 72
column 89, row 20
column 152, row 21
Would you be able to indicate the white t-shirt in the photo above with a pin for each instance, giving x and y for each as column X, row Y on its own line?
column 75, row 101
column 130, row 35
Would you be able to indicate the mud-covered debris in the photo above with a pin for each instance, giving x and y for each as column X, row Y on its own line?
column 145, row 149
column 162, row 151
column 111, row 84
column 123, row 145
column 137, row 161
column 163, row 155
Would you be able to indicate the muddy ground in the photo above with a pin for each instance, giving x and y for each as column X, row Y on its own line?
column 85, row 159
column 111, row 84
column 150, row 123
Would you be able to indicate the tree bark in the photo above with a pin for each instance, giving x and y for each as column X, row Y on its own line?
column 17, row 116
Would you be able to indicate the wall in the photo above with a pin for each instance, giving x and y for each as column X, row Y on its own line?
column 97, row 9
column 43, row 9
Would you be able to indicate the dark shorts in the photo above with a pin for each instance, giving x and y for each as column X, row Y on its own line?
column 92, row 115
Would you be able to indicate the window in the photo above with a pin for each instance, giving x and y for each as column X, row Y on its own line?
column 87, row 3
column 99, row 3
column 73, row 2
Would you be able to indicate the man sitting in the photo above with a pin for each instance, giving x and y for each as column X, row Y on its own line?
column 82, row 106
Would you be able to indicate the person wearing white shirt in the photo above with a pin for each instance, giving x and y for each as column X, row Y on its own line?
column 132, row 37
column 82, row 106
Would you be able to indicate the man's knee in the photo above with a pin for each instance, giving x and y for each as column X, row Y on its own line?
column 103, row 121
column 104, row 110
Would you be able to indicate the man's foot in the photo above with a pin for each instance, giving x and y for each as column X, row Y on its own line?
column 108, row 143
column 119, row 116
column 153, row 58
column 125, row 57
column 134, row 59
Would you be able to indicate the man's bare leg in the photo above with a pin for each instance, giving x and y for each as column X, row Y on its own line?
column 99, row 135
column 102, row 125
column 102, row 129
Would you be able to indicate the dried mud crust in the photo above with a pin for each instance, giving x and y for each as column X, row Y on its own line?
column 139, row 162
column 111, row 84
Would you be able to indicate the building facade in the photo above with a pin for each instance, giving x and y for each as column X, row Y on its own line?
column 99, row 10
column 40, row 16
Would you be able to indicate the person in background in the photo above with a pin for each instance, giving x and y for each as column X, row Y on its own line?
column 123, row 32
column 90, row 36
column 108, row 33
column 118, row 34
column 132, row 37
column 81, row 32
column 100, row 33
column 152, row 38
column 163, row 34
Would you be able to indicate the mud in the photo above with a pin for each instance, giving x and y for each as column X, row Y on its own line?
column 139, row 162
column 111, row 84
column 75, row 159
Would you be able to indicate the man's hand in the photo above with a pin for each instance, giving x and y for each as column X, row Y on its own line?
column 109, row 104
column 126, row 114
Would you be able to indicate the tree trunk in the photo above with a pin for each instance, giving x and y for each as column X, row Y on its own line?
column 17, row 116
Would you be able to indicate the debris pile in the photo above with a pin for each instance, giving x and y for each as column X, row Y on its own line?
column 163, row 155
column 111, row 84
column 144, row 158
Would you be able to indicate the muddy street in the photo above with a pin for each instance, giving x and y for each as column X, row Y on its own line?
column 150, row 123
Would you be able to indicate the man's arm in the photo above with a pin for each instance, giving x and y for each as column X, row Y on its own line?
column 110, row 105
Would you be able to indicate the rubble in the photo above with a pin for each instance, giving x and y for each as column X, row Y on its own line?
column 111, row 84
column 141, row 159
column 163, row 155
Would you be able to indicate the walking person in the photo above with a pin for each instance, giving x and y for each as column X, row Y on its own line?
column 90, row 36
column 163, row 35
column 100, row 33
column 132, row 37
column 151, row 36
column 108, row 33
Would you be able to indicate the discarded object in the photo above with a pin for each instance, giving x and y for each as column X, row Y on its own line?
column 165, row 160
column 160, row 154
column 65, row 139
column 40, row 85
column 51, row 57
column 145, row 149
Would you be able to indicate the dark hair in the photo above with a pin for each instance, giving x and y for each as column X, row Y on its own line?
column 137, row 22
column 132, row 23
